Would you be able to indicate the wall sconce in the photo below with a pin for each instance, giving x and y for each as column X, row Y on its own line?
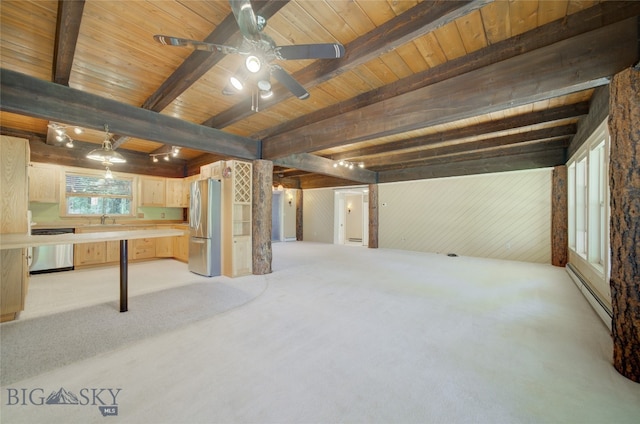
column 290, row 198
column 349, row 208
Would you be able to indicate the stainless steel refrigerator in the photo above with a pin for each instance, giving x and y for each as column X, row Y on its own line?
column 204, row 228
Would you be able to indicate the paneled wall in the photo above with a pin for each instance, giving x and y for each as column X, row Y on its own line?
column 317, row 215
column 502, row 215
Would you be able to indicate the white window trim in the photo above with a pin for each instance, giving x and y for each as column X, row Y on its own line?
column 94, row 173
column 601, row 265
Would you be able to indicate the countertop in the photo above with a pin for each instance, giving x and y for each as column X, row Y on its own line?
column 17, row 241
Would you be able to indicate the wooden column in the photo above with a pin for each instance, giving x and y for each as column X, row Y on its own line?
column 624, row 184
column 373, row 216
column 261, row 212
column 299, row 222
column 559, row 217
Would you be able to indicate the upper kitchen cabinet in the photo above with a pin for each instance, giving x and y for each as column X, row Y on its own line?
column 177, row 193
column 44, row 183
column 152, row 191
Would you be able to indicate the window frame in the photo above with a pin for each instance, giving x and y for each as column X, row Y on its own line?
column 97, row 174
column 593, row 157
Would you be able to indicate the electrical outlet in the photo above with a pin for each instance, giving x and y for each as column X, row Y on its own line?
column 162, row 215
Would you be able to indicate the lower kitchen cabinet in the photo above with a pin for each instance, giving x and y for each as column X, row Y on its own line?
column 164, row 247
column 144, row 248
column 181, row 245
column 90, row 253
column 242, row 259
column 113, row 251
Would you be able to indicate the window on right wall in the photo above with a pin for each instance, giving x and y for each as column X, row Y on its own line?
column 588, row 200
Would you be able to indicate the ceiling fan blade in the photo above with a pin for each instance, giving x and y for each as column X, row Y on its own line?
column 246, row 18
column 168, row 40
column 288, row 81
column 310, row 51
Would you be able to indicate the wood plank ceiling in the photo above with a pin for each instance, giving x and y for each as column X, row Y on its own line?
column 425, row 89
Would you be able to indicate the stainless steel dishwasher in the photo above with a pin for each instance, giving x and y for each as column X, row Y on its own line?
column 53, row 258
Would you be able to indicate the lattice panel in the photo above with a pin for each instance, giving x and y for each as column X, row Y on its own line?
column 242, row 182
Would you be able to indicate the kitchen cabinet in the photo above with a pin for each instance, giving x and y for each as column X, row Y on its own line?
column 14, row 273
column 113, row 252
column 177, row 193
column 181, row 244
column 236, row 218
column 164, row 247
column 44, row 183
column 212, row 170
column 143, row 248
column 152, row 191
column 89, row 254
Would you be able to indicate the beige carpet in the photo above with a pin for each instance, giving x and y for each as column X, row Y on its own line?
column 341, row 334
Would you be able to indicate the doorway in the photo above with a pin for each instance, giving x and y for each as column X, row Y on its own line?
column 351, row 217
column 277, row 227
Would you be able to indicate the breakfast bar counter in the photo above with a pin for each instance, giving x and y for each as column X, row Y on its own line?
column 18, row 241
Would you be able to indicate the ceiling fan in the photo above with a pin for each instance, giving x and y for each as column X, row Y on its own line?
column 259, row 50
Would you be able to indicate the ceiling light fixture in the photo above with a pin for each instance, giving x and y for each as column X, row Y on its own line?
column 61, row 135
column 253, row 64
column 347, row 164
column 106, row 154
column 175, row 150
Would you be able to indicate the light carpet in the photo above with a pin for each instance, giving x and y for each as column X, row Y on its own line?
column 349, row 334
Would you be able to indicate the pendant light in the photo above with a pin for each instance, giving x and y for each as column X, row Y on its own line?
column 106, row 154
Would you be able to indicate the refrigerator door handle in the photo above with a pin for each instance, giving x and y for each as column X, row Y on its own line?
column 198, row 240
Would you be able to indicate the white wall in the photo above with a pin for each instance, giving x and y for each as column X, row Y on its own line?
column 503, row 215
column 317, row 215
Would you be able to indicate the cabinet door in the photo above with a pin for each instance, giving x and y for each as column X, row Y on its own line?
column 113, row 251
column 44, row 183
column 90, row 253
column 152, row 191
column 176, row 194
column 242, row 260
column 181, row 246
column 143, row 248
column 164, row 247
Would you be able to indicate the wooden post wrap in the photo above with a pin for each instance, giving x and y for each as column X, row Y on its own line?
column 624, row 185
column 373, row 216
column 261, row 212
column 559, row 217
column 299, row 209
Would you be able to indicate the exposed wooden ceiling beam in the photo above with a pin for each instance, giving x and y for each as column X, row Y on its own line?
column 544, row 116
column 590, row 19
column 537, row 75
column 26, row 95
column 413, row 23
column 564, row 132
column 319, row 165
column 137, row 162
column 67, row 29
column 527, row 160
column 484, row 152
column 199, row 62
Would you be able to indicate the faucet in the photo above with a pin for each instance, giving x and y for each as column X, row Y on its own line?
column 103, row 218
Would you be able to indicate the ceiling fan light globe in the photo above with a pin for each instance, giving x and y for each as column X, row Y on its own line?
column 253, row 64
column 236, row 83
column 265, row 94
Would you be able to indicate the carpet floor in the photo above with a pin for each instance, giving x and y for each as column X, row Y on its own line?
column 334, row 334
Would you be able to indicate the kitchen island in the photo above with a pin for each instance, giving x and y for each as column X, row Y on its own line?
column 19, row 241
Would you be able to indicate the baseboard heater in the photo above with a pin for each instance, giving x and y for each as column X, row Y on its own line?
column 603, row 311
